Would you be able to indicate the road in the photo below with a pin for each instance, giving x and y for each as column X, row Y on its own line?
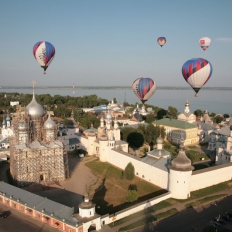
column 190, row 220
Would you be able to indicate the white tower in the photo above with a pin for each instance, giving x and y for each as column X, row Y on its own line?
column 111, row 142
column 86, row 208
column 180, row 175
column 103, row 147
column 91, row 139
column 187, row 107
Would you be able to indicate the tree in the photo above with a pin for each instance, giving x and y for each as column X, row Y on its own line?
column 172, row 112
column 161, row 113
column 150, row 118
column 130, row 171
column 132, row 195
column 135, row 139
column 218, row 119
column 226, row 115
column 212, row 114
column 198, row 112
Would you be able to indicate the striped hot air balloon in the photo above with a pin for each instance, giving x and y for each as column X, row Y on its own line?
column 161, row 41
column 144, row 88
column 44, row 53
column 197, row 72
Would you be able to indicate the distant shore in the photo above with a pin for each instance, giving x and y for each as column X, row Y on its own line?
column 108, row 87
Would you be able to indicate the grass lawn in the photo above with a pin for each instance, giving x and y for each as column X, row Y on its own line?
column 110, row 193
column 196, row 156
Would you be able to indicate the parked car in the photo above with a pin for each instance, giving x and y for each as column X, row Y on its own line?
column 227, row 218
column 5, row 214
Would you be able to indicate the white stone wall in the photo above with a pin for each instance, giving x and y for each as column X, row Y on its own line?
column 147, row 172
column 211, row 176
column 136, row 208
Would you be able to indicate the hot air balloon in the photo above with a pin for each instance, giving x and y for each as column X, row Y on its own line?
column 204, row 42
column 161, row 41
column 44, row 53
column 197, row 72
column 144, row 88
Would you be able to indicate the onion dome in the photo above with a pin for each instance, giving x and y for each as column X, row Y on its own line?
column 102, row 119
column 8, row 118
column 4, row 122
column 86, row 204
column 23, row 125
column 91, row 132
column 159, row 140
column 181, row 162
column 34, row 109
column 49, row 123
column 103, row 136
column 187, row 104
column 115, row 120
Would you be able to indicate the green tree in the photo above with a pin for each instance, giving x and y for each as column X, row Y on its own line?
column 161, row 113
column 198, row 112
column 150, row 118
column 132, row 195
column 218, row 119
column 135, row 139
column 226, row 115
column 212, row 114
column 172, row 112
column 130, row 171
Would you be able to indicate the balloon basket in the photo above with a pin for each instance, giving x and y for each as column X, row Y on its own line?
column 196, row 95
column 44, row 72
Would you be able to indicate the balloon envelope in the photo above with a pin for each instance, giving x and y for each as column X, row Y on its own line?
column 161, row 41
column 144, row 88
column 44, row 53
column 204, row 42
column 197, row 72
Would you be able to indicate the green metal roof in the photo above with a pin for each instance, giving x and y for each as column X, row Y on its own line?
column 175, row 123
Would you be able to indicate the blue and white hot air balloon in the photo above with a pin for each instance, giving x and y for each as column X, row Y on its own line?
column 144, row 88
column 197, row 72
column 44, row 53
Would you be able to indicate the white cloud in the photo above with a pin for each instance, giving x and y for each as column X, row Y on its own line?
column 224, row 39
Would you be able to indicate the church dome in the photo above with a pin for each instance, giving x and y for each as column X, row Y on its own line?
column 187, row 104
column 181, row 162
column 159, row 140
column 4, row 122
column 102, row 119
column 34, row 109
column 8, row 118
column 49, row 123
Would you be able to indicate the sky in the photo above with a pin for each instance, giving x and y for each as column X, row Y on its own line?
column 113, row 42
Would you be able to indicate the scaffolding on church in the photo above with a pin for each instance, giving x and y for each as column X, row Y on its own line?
column 36, row 164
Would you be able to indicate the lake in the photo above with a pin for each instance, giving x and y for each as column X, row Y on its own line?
column 217, row 101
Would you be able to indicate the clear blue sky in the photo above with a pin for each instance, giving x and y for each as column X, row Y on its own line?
column 113, row 42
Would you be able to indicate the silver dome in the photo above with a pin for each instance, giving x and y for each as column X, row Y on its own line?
column 34, row 109
column 49, row 123
column 181, row 162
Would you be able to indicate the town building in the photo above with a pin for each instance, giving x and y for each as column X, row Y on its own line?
column 177, row 130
